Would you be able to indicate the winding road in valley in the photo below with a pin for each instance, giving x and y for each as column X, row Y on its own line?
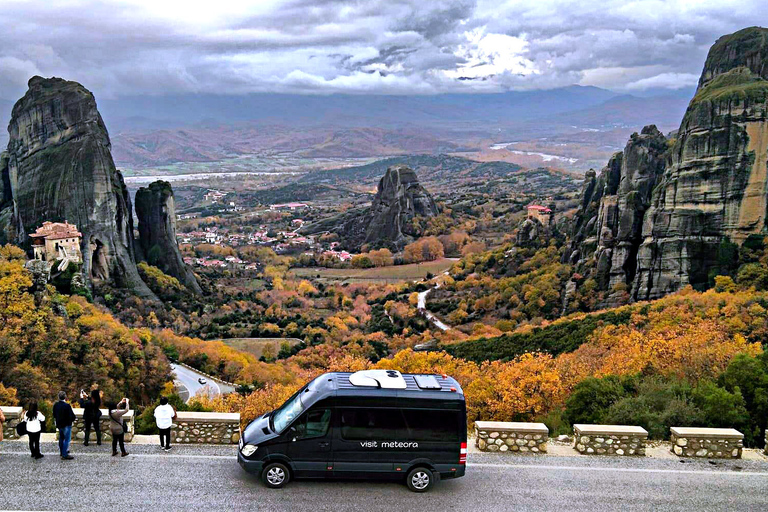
column 422, row 306
column 189, row 379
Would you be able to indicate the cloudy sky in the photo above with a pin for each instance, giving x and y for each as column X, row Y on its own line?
column 129, row 47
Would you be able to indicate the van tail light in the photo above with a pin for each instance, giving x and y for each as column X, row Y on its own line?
column 463, row 454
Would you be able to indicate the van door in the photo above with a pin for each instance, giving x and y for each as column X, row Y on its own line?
column 364, row 441
column 438, row 433
column 309, row 443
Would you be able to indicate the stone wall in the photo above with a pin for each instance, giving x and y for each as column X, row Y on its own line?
column 610, row 440
column 712, row 443
column 502, row 436
column 78, row 427
column 11, row 420
column 206, row 428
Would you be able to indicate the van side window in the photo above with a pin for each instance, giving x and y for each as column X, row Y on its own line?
column 369, row 424
column 431, row 425
column 315, row 423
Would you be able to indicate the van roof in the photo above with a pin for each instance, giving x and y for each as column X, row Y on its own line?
column 426, row 386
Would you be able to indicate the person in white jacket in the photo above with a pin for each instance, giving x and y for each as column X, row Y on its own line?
column 34, row 419
column 164, row 415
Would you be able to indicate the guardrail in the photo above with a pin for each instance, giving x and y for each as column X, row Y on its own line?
column 12, row 417
column 710, row 443
column 206, row 428
column 610, row 439
column 502, row 436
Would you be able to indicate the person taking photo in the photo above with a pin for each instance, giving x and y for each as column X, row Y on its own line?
column 91, row 405
column 117, row 425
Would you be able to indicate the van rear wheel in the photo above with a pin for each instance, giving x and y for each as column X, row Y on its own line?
column 275, row 475
column 420, row 479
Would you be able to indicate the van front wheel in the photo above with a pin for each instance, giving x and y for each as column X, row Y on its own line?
column 420, row 479
column 275, row 475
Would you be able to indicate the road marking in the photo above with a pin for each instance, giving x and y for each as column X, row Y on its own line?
column 621, row 470
column 136, row 455
column 469, row 464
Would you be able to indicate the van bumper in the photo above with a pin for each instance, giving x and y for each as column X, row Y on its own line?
column 251, row 466
column 445, row 470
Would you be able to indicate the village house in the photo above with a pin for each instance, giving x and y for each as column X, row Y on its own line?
column 288, row 206
column 57, row 241
column 213, row 196
column 540, row 213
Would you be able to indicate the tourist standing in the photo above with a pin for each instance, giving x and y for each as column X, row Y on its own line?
column 91, row 414
column 164, row 415
column 65, row 417
column 117, row 425
column 2, row 424
column 34, row 419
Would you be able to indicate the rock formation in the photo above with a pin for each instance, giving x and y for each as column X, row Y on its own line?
column 156, row 213
column 399, row 198
column 389, row 222
column 715, row 184
column 59, row 167
column 653, row 220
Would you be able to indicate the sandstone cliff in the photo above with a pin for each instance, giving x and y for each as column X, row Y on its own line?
column 653, row 219
column 715, row 184
column 399, row 203
column 59, row 167
column 399, row 199
column 156, row 213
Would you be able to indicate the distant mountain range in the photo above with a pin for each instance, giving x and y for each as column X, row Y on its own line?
column 429, row 168
column 158, row 130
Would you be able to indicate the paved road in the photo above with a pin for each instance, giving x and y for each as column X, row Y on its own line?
column 188, row 378
column 422, row 306
column 152, row 480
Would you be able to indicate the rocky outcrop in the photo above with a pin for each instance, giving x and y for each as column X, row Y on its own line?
column 653, row 220
column 156, row 213
column 715, row 186
column 391, row 220
column 531, row 232
column 59, row 167
column 399, row 199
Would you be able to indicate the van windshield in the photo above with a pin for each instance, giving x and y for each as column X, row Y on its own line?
column 287, row 413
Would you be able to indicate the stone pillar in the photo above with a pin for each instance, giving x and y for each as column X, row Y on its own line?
column 12, row 416
column 624, row 440
column 710, row 443
column 503, row 436
column 206, row 428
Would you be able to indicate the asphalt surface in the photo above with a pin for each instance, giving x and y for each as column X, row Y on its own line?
column 189, row 379
column 422, row 306
column 152, row 480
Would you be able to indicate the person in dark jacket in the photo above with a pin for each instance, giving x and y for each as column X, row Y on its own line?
column 64, row 417
column 91, row 414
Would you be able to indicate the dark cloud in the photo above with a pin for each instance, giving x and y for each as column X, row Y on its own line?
column 383, row 46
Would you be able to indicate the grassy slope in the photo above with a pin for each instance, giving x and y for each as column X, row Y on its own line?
column 256, row 346
column 561, row 336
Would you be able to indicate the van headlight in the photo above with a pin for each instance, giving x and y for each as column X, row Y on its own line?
column 249, row 449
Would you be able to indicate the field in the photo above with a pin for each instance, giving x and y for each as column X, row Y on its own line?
column 256, row 346
column 393, row 274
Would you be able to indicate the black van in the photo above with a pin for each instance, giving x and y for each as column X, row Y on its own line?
column 368, row 424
